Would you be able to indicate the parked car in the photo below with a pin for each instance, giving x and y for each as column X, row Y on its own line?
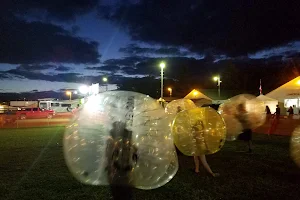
column 25, row 113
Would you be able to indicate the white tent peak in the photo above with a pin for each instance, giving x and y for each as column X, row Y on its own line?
column 265, row 98
column 195, row 94
column 271, row 103
column 290, row 89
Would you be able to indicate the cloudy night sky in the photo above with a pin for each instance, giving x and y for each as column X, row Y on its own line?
column 53, row 45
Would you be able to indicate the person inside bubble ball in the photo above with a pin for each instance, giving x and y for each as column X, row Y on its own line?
column 198, row 130
column 242, row 117
column 179, row 109
column 121, row 156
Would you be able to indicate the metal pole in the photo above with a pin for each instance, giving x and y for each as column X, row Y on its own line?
column 70, row 96
column 219, row 90
column 162, row 83
column 106, row 87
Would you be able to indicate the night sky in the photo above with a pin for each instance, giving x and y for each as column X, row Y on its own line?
column 54, row 45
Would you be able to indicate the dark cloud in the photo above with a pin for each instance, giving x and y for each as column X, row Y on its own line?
column 75, row 30
column 134, row 49
column 63, row 68
column 32, row 75
column 229, row 27
column 35, row 67
column 105, row 68
column 3, row 76
column 62, row 77
column 55, row 9
column 37, row 42
column 125, row 62
column 150, row 66
column 27, row 42
column 292, row 55
column 41, row 67
column 128, row 70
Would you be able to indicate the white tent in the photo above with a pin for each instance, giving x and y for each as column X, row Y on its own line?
column 287, row 94
column 268, row 102
column 198, row 98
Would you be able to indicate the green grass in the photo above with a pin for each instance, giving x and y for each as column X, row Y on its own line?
column 32, row 167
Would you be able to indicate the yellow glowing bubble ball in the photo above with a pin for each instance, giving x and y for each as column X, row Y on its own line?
column 121, row 138
column 179, row 105
column 240, row 112
column 295, row 146
column 199, row 131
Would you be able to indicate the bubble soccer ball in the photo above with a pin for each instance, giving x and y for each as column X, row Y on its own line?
column 241, row 112
column 178, row 105
column 121, row 138
column 199, row 131
column 295, row 146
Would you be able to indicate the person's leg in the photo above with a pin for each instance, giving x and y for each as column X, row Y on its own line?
column 248, row 139
column 196, row 161
column 250, row 145
column 206, row 166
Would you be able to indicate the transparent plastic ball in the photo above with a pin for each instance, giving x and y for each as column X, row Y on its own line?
column 295, row 146
column 121, row 138
column 178, row 105
column 241, row 112
column 199, row 131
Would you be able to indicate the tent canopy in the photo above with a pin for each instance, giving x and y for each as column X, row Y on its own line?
column 265, row 98
column 289, row 90
column 195, row 94
column 198, row 98
column 271, row 103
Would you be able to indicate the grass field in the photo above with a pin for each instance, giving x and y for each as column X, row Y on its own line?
column 32, row 167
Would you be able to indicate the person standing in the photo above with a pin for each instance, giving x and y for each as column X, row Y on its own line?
column 242, row 117
column 121, row 157
column 268, row 112
column 291, row 112
column 197, row 131
column 275, row 120
column 277, row 113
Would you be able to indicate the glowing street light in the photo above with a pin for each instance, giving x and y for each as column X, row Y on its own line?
column 218, row 80
column 83, row 89
column 298, row 82
column 70, row 94
column 104, row 79
column 162, row 65
column 170, row 90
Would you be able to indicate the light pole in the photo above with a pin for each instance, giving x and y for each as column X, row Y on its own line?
column 70, row 94
column 104, row 79
column 170, row 90
column 217, row 78
column 162, row 65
